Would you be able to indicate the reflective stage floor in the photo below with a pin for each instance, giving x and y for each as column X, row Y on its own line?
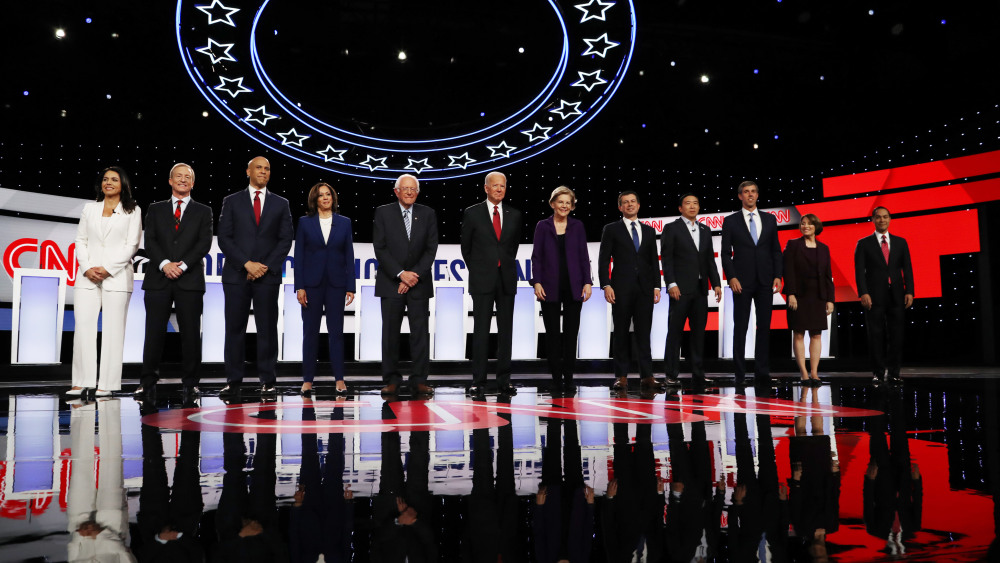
column 783, row 473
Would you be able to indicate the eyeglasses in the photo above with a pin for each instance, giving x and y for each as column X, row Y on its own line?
column 408, row 189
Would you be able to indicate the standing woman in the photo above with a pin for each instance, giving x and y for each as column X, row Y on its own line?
column 809, row 288
column 106, row 240
column 324, row 279
column 560, row 266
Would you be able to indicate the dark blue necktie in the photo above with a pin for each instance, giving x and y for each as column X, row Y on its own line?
column 635, row 237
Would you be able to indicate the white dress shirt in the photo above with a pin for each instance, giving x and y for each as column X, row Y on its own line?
column 756, row 219
column 638, row 227
column 489, row 209
column 263, row 196
column 184, row 205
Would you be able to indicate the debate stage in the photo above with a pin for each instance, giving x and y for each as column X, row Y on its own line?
column 226, row 475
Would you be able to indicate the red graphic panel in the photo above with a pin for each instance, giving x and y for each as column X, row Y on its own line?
column 929, row 237
column 904, row 176
column 906, row 202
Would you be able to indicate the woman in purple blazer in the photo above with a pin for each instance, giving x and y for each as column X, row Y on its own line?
column 324, row 281
column 560, row 267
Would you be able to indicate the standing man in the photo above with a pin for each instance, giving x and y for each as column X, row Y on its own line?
column 491, row 232
column 178, row 236
column 688, row 263
column 405, row 237
column 751, row 259
column 632, row 288
column 884, row 275
column 255, row 234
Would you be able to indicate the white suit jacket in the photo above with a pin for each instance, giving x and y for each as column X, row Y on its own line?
column 110, row 244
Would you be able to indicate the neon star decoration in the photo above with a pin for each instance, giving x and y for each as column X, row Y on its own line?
column 291, row 137
column 594, row 10
column 227, row 17
column 232, row 86
column 599, row 46
column 211, row 48
column 587, row 67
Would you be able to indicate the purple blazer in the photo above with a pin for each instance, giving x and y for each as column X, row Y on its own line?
column 545, row 258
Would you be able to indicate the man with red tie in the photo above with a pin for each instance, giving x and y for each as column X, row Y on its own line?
column 178, row 236
column 491, row 232
column 255, row 234
column 884, row 274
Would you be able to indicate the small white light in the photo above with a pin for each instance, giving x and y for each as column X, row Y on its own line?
column 642, row 73
column 60, row 33
column 704, row 79
column 114, row 36
column 204, row 114
column 520, row 49
column 62, row 113
column 871, row 12
column 675, row 145
column 755, row 146
column 108, row 96
column 402, row 55
column 672, row 63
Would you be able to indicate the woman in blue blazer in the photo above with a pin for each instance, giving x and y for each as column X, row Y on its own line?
column 560, row 268
column 324, row 280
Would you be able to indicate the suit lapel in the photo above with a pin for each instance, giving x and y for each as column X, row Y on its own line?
column 628, row 236
column 108, row 225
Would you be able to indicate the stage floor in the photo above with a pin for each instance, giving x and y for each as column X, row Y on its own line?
column 899, row 471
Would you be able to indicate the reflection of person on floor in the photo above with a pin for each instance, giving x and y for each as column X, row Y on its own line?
column 322, row 514
column 246, row 520
column 632, row 514
column 693, row 512
column 758, row 518
column 893, row 490
column 563, row 519
column 814, row 495
column 491, row 532
column 401, row 510
column 169, row 517
column 98, row 518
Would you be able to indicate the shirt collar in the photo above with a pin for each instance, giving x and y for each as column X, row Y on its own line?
column 628, row 222
column 490, row 204
column 403, row 209
column 174, row 199
column 253, row 190
column 690, row 223
column 747, row 212
column 878, row 236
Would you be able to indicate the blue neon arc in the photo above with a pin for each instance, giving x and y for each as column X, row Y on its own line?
column 316, row 124
column 442, row 158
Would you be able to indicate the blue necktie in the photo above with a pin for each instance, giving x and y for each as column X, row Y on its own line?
column 635, row 237
column 406, row 222
column 753, row 229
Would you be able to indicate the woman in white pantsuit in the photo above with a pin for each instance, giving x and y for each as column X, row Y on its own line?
column 106, row 241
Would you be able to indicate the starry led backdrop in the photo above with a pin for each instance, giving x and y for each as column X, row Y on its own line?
column 697, row 97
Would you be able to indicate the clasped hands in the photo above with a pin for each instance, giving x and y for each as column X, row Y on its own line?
column 407, row 280
column 97, row 274
column 255, row 270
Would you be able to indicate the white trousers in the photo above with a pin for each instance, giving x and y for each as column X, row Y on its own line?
column 89, row 303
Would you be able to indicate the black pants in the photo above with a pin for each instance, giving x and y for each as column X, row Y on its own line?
column 879, row 320
column 239, row 298
column 560, row 343
column 189, row 306
column 482, row 314
column 762, row 297
column 392, row 319
column 693, row 308
column 632, row 307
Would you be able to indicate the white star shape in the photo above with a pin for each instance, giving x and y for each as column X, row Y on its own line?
column 263, row 118
column 330, row 153
column 599, row 46
column 210, row 51
column 537, row 133
column 589, row 85
column 226, row 18
column 503, row 149
column 417, row 165
column 297, row 139
column 594, row 10
column 374, row 163
column 232, row 86
column 567, row 109
column 461, row 161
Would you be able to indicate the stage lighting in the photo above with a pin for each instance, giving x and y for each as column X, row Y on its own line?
column 204, row 114
column 60, row 33
column 402, row 55
column 521, row 49
column 704, row 79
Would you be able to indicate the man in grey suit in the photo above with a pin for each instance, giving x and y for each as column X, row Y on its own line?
column 491, row 233
column 405, row 237
column 688, row 263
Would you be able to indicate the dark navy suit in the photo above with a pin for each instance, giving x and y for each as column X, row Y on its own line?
column 241, row 239
column 325, row 270
column 755, row 266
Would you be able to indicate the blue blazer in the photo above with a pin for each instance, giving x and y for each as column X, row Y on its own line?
column 545, row 258
column 241, row 239
column 329, row 263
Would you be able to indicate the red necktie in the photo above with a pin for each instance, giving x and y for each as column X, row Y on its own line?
column 496, row 226
column 256, row 206
column 177, row 216
column 885, row 253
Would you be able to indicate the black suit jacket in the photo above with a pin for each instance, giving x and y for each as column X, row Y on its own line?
column 683, row 263
column 396, row 253
column 795, row 267
column 242, row 239
column 481, row 250
column 751, row 263
column 189, row 244
column 633, row 270
column 871, row 270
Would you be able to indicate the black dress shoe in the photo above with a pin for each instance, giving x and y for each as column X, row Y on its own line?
column 876, row 381
column 507, row 389
column 893, row 379
column 477, row 392
column 230, row 390
column 191, row 391
column 139, row 392
column 672, row 382
column 268, row 389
